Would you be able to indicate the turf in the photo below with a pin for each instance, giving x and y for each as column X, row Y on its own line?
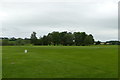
column 0, row 62
column 60, row 62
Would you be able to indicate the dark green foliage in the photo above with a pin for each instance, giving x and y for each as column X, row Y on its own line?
column 45, row 40
column 69, row 38
column 88, row 40
column 5, row 42
column 33, row 38
column 55, row 38
column 80, row 38
column 58, row 38
column 113, row 42
column 97, row 43
column 12, row 39
column 11, row 42
column 63, row 38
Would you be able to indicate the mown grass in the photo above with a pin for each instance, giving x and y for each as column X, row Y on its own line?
column 60, row 62
column 0, row 62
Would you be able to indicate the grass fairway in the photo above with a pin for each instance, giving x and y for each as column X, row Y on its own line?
column 60, row 62
column 0, row 62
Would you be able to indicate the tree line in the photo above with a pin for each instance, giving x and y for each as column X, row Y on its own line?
column 55, row 38
column 63, row 38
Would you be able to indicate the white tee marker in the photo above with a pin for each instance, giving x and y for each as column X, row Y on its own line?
column 25, row 51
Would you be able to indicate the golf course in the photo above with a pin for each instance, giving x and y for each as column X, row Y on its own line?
column 0, row 62
column 97, row 61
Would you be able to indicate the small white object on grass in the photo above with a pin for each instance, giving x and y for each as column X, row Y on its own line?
column 26, row 51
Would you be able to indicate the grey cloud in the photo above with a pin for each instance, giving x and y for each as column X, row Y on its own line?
column 45, row 17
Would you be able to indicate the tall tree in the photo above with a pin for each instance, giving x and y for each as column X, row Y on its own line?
column 55, row 38
column 45, row 40
column 79, row 38
column 97, row 43
column 69, row 38
column 63, row 38
column 33, row 38
column 89, row 40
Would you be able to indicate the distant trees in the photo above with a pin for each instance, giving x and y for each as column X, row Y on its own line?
column 5, row 42
column 113, row 42
column 80, row 38
column 69, row 39
column 15, row 41
column 89, row 40
column 33, row 38
column 57, row 38
column 97, row 43
column 63, row 38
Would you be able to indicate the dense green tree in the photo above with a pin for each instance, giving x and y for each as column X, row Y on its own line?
column 79, row 38
column 63, row 38
column 69, row 38
column 33, row 38
column 13, row 39
column 50, row 39
column 97, row 43
column 55, row 38
column 40, row 41
column 5, row 42
column 89, row 40
column 19, row 41
column 45, row 40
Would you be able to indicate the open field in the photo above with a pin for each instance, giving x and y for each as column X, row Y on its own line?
column 0, row 62
column 60, row 62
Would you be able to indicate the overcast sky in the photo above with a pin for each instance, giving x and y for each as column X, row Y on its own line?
column 97, row 17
